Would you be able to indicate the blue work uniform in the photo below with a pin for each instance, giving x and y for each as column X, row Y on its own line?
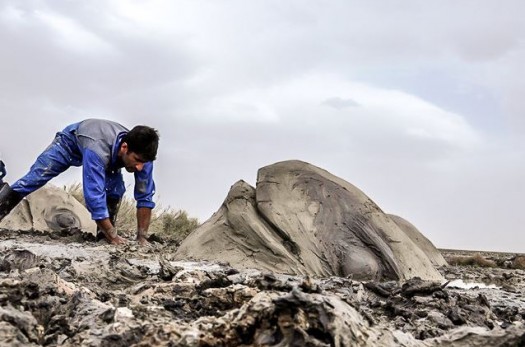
column 94, row 145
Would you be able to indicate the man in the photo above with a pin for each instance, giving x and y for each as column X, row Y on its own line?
column 102, row 148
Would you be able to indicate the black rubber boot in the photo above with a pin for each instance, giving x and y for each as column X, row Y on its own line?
column 3, row 172
column 8, row 199
column 113, row 205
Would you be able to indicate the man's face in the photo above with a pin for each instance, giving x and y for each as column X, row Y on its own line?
column 132, row 161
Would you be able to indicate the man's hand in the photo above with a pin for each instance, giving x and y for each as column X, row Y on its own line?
column 110, row 232
column 117, row 240
column 142, row 240
column 113, row 238
column 141, row 237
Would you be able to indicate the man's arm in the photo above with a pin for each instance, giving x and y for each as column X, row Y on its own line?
column 143, row 220
column 94, row 176
column 144, row 191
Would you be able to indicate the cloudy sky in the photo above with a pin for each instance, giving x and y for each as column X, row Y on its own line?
column 419, row 104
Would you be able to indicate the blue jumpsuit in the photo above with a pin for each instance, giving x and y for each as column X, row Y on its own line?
column 92, row 144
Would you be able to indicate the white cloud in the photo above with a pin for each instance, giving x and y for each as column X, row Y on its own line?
column 72, row 36
column 381, row 112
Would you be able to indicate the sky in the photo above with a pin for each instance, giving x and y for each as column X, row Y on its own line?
column 419, row 104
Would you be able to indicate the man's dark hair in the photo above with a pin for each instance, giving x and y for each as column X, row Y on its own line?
column 143, row 141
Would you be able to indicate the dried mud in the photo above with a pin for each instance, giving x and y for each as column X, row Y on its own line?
column 69, row 290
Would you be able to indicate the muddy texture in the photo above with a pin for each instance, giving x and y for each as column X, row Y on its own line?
column 69, row 291
column 303, row 220
column 434, row 255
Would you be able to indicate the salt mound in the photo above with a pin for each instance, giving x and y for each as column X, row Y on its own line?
column 301, row 219
column 49, row 209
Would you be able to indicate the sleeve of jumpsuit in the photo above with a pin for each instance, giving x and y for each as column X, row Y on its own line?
column 94, row 178
column 145, row 186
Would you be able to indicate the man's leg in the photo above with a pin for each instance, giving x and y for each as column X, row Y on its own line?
column 54, row 160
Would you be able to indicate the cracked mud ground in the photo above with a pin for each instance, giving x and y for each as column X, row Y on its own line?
column 69, row 291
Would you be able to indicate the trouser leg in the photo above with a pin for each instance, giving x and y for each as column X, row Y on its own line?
column 53, row 161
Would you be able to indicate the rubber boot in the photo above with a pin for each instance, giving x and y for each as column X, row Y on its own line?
column 8, row 199
column 113, row 205
column 3, row 172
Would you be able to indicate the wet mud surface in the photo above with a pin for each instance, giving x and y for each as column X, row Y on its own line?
column 69, row 290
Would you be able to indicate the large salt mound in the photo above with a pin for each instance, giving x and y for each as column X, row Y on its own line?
column 301, row 219
column 49, row 209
